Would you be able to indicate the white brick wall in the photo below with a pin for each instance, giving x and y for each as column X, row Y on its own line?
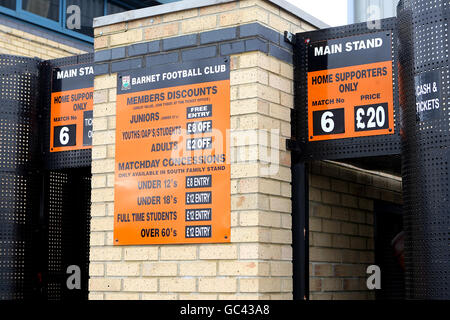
column 257, row 262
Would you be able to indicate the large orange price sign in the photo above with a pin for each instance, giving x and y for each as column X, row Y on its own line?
column 172, row 174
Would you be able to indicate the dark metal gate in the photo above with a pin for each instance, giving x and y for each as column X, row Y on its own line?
column 19, row 178
column 44, row 198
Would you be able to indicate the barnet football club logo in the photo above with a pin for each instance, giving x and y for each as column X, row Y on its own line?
column 126, row 85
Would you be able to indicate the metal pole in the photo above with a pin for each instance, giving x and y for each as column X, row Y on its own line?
column 300, row 243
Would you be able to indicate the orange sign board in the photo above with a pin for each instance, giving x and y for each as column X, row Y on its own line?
column 71, row 108
column 348, row 98
column 172, row 174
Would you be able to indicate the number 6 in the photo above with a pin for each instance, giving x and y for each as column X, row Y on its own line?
column 64, row 136
column 326, row 122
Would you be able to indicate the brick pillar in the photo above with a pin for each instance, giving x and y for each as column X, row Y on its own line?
column 257, row 264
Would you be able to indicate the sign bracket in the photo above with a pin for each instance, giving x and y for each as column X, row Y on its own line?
column 290, row 37
column 293, row 145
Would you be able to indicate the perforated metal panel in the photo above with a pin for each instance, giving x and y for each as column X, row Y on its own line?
column 67, row 200
column 18, row 107
column 44, row 199
column 66, row 159
column 67, row 210
column 55, row 212
column 19, row 194
column 424, row 54
column 348, row 147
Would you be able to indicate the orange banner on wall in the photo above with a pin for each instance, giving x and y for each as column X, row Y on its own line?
column 172, row 174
